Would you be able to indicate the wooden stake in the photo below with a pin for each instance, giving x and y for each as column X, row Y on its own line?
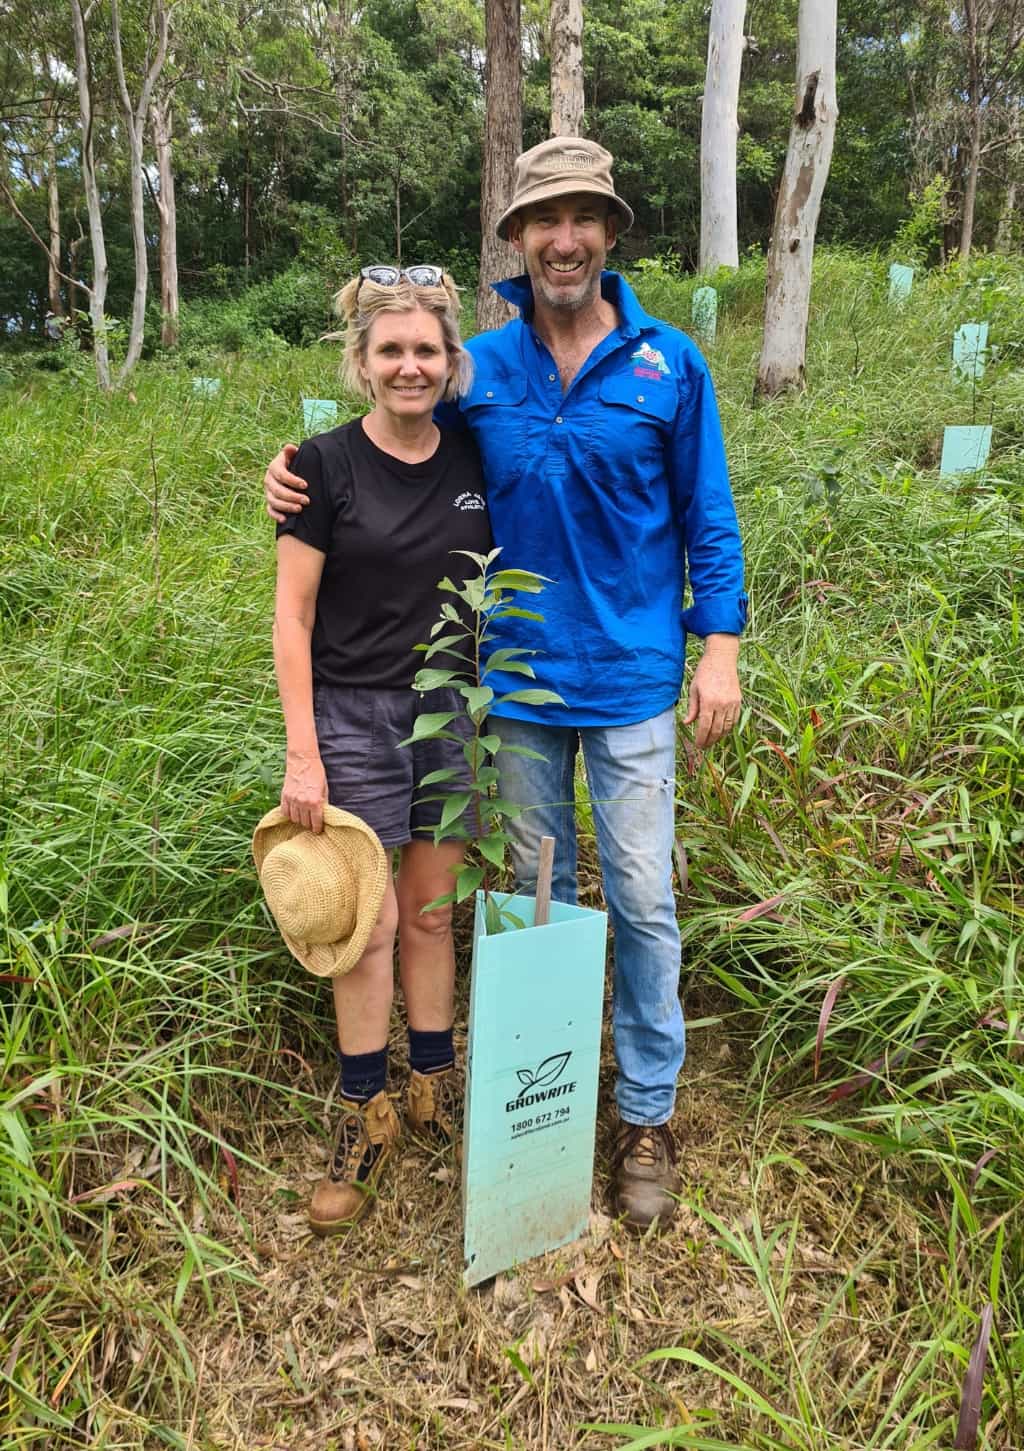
column 545, row 861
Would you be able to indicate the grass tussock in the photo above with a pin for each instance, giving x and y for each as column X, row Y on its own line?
column 852, row 1111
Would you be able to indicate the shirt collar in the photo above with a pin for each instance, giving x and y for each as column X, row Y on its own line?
column 614, row 288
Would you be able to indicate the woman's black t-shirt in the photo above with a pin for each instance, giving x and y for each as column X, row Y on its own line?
column 387, row 529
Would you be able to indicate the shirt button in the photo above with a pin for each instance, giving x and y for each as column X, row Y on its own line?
column 558, row 419
column 551, row 377
column 639, row 397
column 490, row 394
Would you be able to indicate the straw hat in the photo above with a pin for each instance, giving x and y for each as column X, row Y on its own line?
column 325, row 890
column 563, row 166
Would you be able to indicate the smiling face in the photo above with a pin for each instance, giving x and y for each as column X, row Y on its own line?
column 406, row 364
column 564, row 243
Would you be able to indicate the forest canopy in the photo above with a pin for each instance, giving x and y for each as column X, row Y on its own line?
column 314, row 134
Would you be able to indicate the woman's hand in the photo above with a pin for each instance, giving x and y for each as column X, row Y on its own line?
column 305, row 789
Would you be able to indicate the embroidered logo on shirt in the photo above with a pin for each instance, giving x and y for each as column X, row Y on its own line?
column 654, row 361
column 469, row 501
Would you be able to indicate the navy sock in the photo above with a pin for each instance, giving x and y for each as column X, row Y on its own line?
column 363, row 1075
column 430, row 1052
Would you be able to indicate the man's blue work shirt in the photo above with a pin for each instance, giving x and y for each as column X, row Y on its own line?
column 614, row 490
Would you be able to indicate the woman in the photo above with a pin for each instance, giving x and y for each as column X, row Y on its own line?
column 390, row 495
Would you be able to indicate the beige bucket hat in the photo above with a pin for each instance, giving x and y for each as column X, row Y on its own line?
column 324, row 890
column 561, row 166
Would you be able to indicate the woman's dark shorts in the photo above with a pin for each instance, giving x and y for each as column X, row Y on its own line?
column 358, row 730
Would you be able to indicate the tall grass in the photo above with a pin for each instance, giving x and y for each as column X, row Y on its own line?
column 855, row 850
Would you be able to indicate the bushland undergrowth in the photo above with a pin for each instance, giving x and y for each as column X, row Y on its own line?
column 852, row 860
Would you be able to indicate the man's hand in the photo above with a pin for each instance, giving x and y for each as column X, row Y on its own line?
column 715, row 697
column 305, row 790
column 285, row 493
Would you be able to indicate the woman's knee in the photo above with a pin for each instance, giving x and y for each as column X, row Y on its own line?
column 383, row 935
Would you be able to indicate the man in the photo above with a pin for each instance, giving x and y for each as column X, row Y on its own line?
column 605, row 470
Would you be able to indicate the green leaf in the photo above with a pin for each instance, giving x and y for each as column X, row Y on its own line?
column 434, row 778
column 487, row 776
column 433, row 679
column 473, row 594
column 493, row 848
column 514, row 667
column 499, row 659
column 492, row 916
column 469, row 879
column 454, row 807
column 514, row 612
column 522, row 751
column 443, row 901
column 428, row 726
column 477, row 697
column 498, row 806
column 749, row 782
column 491, row 744
column 531, row 697
column 512, row 1352
column 521, row 580
column 445, row 643
column 480, row 560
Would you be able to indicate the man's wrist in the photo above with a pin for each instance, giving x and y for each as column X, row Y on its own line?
column 722, row 648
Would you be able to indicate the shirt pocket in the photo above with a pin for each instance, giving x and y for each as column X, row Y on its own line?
column 495, row 409
column 628, row 442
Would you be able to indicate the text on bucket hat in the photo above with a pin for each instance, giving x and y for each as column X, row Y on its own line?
column 562, row 166
column 325, row 890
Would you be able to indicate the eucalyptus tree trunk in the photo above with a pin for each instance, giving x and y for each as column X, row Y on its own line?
column 100, row 275
column 565, row 44
column 53, row 209
column 503, row 140
column 791, row 252
column 162, row 121
column 974, row 99
column 1004, row 231
column 134, row 124
column 719, row 238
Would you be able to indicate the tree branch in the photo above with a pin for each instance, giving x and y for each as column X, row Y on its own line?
column 8, row 197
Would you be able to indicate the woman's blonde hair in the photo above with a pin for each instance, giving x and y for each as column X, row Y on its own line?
column 360, row 301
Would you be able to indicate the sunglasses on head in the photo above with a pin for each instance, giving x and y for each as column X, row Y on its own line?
column 422, row 274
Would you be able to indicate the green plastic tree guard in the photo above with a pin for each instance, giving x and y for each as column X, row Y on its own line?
column 901, row 280
column 969, row 343
column 965, row 448
column 704, row 313
column 318, row 414
column 531, row 1084
column 206, row 387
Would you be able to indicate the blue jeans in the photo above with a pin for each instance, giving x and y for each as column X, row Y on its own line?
column 631, row 775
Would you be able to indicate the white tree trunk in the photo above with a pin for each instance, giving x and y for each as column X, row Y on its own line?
column 719, row 240
column 98, row 290
column 565, row 43
column 162, row 119
column 134, row 124
column 791, row 253
column 1004, row 231
column 503, row 139
column 974, row 101
column 53, row 209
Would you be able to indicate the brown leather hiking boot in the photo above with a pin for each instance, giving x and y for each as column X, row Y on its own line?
column 431, row 1106
column 644, row 1173
column 366, row 1139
